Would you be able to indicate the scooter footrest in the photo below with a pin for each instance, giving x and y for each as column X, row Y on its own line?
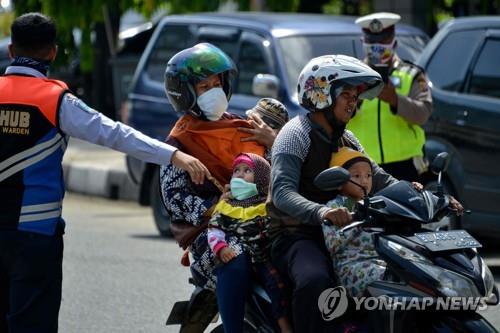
column 177, row 313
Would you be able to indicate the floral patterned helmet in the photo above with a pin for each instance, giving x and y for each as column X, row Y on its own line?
column 321, row 80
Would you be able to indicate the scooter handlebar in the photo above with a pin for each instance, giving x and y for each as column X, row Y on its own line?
column 357, row 219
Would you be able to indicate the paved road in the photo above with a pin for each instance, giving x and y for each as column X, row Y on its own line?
column 119, row 276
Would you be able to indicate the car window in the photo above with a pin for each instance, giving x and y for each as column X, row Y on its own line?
column 298, row 50
column 485, row 78
column 449, row 64
column 225, row 38
column 229, row 48
column 172, row 39
column 251, row 62
column 410, row 47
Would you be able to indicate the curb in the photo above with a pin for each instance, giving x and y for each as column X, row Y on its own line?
column 97, row 171
column 101, row 182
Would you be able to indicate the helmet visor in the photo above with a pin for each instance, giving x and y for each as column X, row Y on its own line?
column 368, row 86
column 205, row 60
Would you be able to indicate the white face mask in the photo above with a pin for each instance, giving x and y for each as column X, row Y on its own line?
column 213, row 103
column 379, row 53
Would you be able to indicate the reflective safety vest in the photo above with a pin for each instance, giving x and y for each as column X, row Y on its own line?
column 31, row 152
column 387, row 137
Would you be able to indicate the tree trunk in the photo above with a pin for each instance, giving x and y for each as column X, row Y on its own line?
column 102, row 88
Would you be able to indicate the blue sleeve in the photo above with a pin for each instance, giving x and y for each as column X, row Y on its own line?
column 181, row 202
column 80, row 121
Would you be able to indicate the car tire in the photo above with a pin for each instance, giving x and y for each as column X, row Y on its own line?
column 161, row 217
column 450, row 222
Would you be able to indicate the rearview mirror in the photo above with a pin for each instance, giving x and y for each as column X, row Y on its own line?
column 440, row 163
column 266, row 85
column 332, row 179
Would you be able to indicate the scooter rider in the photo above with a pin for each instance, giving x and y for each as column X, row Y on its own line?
column 198, row 83
column 328, row 88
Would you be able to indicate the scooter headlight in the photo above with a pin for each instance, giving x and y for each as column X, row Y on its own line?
column 449, row 283
column 489, row 280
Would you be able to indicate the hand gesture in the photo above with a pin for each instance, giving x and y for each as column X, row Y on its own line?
column 227, row 254
column 226, row 195
column 389, row 94
column 197, row 170
column 261, row 132
column 419, row 187
column 338, row 216
column 456, row 206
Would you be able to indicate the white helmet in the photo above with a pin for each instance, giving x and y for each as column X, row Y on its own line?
column 320, row 80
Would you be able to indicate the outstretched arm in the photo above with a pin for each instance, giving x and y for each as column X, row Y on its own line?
column 81, row 121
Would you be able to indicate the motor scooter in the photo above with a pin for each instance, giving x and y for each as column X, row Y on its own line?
column 433, row 271
column 435, row 281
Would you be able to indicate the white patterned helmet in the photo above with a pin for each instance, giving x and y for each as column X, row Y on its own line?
column 320, row 80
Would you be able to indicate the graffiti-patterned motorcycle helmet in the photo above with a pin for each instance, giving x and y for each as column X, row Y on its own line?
column 192, row 65
column 323, row 78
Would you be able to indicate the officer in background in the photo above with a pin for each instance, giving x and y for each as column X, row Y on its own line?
column 36, row 117
column 388, row 127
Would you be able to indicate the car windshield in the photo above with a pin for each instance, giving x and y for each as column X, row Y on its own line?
column 298, row 50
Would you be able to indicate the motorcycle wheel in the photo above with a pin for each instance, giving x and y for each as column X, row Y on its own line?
column 449, row 222
column 162, row 219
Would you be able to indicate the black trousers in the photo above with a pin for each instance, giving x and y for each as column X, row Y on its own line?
column 30, row 281
column 404, row 170
column 310, row 271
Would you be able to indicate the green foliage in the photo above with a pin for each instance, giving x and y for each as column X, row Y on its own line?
column 441, row 15
column 243, row 5
column 183, row 6
column 145, row 7
column 333, row 7
column 5, row 23
column 282, row 5
column 343, row 7
column 81, row 14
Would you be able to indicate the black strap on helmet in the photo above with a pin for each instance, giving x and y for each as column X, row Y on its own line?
column 338, row 128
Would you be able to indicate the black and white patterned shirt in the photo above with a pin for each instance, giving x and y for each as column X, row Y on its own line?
column 182, row 201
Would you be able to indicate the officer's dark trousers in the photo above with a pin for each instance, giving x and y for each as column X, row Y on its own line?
column 310, row 270
column 30, row 281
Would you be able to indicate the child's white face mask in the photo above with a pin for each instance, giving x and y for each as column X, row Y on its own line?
column 213, row 103
column 379, row 53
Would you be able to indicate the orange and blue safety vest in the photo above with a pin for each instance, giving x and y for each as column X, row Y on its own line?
column 31, row 151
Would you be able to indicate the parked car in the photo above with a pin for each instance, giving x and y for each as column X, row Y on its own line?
column 269, row 50
column 462, row 64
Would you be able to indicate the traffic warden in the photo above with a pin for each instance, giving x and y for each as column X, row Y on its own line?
column 389, row 127
column 37, row 115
